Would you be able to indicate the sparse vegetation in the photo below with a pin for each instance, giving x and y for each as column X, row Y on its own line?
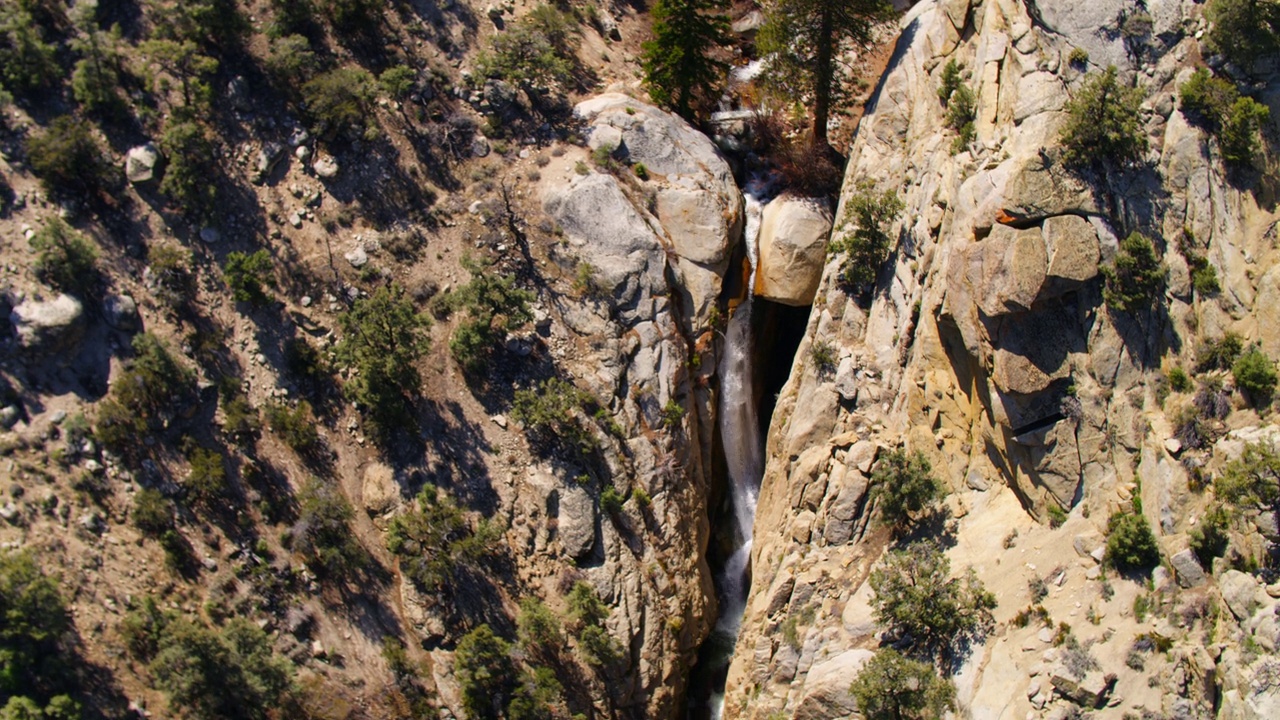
column 248, row 274
column 916, row 598
column 383, row 337
column 1235, row 120
column 867, row 244
column 536, row 52
column 68, row 159
column 1136, row 277
column 1131, row 546
column 555, row 416
column 493, row 306
column 152, row 387
column 323, row 530
column 1255, row 375
column 295, row 425
column 1209, row 538
column 823, row 356
column 892, row 686
column 1251, row 479
column 437, row 547
column 340, row 102
column 190, row 168
column 1244, row 30
column 1104, row 126
column 65, row 259
column 904, row 486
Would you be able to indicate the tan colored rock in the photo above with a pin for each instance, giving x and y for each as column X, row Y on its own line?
column 1007, row 269
column 793, row 248
column 379, row 491
column 826, row 689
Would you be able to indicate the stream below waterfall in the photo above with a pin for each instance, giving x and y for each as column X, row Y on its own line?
column 742, row 441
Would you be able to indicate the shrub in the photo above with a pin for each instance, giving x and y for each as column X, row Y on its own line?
column 611, row 501
column 1057, row 516
column 1238, row 139
column 28, row 64
column 296, row 426
column 1255, row 375
column 1079, row 57
column 1244, row 30
column 672, row 414
column 903, row 486
column 554, row 415
column 537, row 52
column 398, row 81
column 867, row 245
column 1211, row 400
column 304, row 362
column 173, row 283
column 323, row 531
column 1103, row 123
column 823, row 356
column 64, row 258
column 494, row 306
column 353, row 17
column 486, row 674
column 292, row 62
column 437, row 547
column 1251, row 479
column 951, row 81
column 207, row 480
column 1204, row 278
column 1219, row 354
column 537, row 628
column 383, row 337
column 892, row 686
column 1209, row 539
column 239, row 417
column 184, row 60
column 67, row 158
column 190, row 168
column 1206, row 99
column 340, row 102
column 1131, row 546
column 35, row 620
column 247, row 274
column 152, row 385
column 1135, row 278
column 961, row 112
column 916, row 598
column 1179, row 381
column 95, row 81
column 641, row 171
column 209, row 673
column 586, row 619
column 152, row 512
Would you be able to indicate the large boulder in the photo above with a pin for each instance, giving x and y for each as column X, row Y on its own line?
column 49, row 326
column 576, row 523
column 141, row 164
column 826, row 690
column 793, row 249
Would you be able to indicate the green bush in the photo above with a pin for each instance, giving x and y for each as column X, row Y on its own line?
column 1104, row 125
column 240, row 419
column 1209, row 539
column 903, row 486
column 64, row 258
column 486, row 673
column 1131, row 546
column 961, row 112
column 215, row 24
column 892, row 686
column 190, row 168
column 207, row 480
column 916, row 598
column 538, row 629
column 35, row 620
column 823, row 356
column 1241, row 129
column 1255, row 375
column 209, row 673
column 1206, row 99
column 68, row 159
column 587, row 614
column 1244, row 30
column 554, row 416
column 247, row 274
column 1079, row 57
column 494, row 307
column 144, row 397
column 1219, row 354
column 340, row 102
column 537, row 52
column 152, row 512
column 296, row 426
column 1251, row 479
column 436, row 545
column 292, row 62
column 353, row 18
column 868, row 244
column 383, row 337
column 951, row 81
column 1135, row 278
column 1179, row 381
column 95, row 81
column 611, row 500
column 28, row 64
column 398, row 81
column 323, row 530
column 184, row 60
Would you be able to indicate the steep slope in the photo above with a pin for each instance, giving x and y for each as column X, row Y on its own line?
column 987, row 346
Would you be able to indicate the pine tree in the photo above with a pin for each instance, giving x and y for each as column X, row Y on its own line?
column 805, row 40
column 678, row 64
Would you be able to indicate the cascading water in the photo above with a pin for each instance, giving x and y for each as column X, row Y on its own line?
column 744, row 455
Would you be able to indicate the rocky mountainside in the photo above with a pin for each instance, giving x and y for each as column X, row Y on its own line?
column 988, row 347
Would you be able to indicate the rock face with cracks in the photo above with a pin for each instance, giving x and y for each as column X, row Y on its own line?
column 987, row 346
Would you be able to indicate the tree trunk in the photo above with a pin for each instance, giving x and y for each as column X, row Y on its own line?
column 824, row 75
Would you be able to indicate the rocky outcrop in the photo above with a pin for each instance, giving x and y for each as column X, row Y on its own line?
column 793, row 249
column 987, row 347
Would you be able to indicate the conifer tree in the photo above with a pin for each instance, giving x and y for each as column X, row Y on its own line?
column 805, row 41
column 678, row 63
